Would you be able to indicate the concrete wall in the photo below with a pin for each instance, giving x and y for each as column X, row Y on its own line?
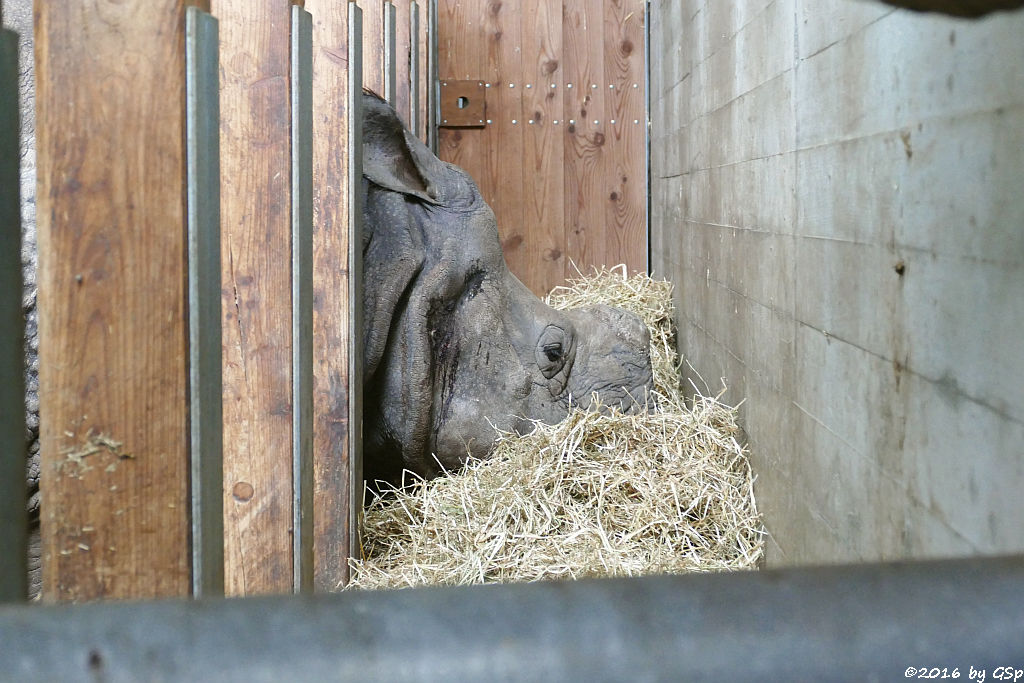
column 838, row 195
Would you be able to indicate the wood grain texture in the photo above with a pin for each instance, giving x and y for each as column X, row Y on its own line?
column 460, row 55
column 331, row 324
column 112, row 290
column 256, row 276
column 585, row 154
column 625, row 232
column 543, row 221
column 423, row 85
column 582, row 195
column 373, row 44
column 403, row 86
column 502, row 183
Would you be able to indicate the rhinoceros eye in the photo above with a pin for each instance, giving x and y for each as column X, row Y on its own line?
column 552, row 348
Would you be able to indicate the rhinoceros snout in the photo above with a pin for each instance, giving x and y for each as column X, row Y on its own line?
column 614, row 361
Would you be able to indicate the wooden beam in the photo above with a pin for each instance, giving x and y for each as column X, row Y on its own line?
column 335, row 79
column 373, row 45
column 256, row 210
column 110, row 105
column 403, row 51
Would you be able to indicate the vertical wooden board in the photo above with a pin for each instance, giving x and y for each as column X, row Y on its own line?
column 625, row 196
column 110, row 91
column 423, row 83
column 585, row 154
column 256, row 275
column 373, row 45
column 504, row 139
column 331, row 324
column 543, row 221
column 462, row 56
column 403, row 37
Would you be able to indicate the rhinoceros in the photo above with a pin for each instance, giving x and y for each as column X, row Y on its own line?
column 455, row 345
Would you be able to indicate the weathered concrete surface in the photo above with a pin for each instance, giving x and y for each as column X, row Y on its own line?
column 837, row 195
column 17, row 16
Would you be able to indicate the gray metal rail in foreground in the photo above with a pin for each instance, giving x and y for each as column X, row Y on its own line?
column 867, row 622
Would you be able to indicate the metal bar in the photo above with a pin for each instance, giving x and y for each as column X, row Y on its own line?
column 202, row 122
column 647, row 126
column 414, row 68
column 355, row 273
column 13, row 516
column 857, row 623
column 433, row 86
column 390, row 53
column 302, row 297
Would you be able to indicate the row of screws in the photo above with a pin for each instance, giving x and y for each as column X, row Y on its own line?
column 571, row 121
column 553, row 85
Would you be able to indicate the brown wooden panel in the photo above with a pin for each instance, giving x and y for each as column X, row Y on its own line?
column 112, row 289
column 373, row 45
column 625, row 197
column 424, row 85
column 331, row 323
column 502, row 184
column 585, row 154
column 583, row 191
column 461, row 56
column 403, row 86
column 543, row 221
column 255, row 246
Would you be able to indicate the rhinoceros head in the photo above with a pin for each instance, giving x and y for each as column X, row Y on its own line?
column 455, row 344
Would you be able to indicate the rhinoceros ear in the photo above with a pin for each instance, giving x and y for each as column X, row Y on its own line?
column 394, row 158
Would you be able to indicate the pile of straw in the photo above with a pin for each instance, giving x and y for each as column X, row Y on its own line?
column 600, row 494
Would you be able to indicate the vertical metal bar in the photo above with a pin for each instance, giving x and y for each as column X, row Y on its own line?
column 302, row 298
column 13, row 517
column 202, row 122
column 433, row 93
column 414, row 68
column 355, row 274
column 647, row 123
column 390, row 53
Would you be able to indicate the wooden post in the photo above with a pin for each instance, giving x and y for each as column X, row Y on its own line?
column 13, row 519
column 337, row 76
column 373, row 45
column 256, row 198
column 110, row 107
column 403, row 43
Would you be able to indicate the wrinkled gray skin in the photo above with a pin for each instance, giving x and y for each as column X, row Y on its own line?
column 454, row 342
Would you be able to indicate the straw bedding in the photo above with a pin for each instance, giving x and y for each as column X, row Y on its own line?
column 600, row 494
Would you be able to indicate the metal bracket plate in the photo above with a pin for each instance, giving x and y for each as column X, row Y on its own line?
column 463, row 104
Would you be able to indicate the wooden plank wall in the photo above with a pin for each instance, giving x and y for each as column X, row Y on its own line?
column 110, row 106
column 574, row 191
column 113, row 306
